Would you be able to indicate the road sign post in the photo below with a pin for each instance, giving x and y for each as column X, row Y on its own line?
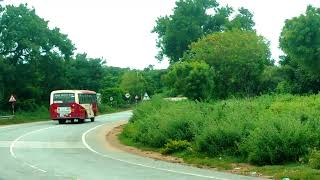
column 12, row 100
column 111, row 100
column 146, row 97
column 127, row 95
column 136, row 98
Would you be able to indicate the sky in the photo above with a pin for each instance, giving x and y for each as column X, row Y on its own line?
column 120, row 30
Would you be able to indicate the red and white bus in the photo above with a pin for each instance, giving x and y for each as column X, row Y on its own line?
column 73, row 104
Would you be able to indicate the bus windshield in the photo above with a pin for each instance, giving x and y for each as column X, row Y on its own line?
column 63, row 98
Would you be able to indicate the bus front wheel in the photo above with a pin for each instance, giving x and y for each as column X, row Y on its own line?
column 81, row 121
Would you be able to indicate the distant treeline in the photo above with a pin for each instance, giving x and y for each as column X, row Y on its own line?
column 215, row 52
column 213, row 55
column 35, row 59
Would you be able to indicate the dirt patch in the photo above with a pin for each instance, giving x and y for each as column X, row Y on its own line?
column 113, row 141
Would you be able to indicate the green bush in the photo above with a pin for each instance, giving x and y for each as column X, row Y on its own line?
column 276, row 141
column 116, row 93
column 314, row 159
column 27, row 105
column 270, row 129
column 175, row 146
column 179, row 124
column 219, row 139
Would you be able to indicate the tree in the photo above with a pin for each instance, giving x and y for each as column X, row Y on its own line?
column 117, row 95
column 112, row 76
column 300, row 39
column 85, row 73
column 243, row 20
column 134, row 83
column 191, row 79
column 153, row 79
column 190, row 21
column 28, row 49
column 238, row 59
column 297, row 79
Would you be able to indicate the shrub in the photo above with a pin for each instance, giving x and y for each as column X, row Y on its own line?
column 219, row 139
column 314, row 159
column 116, row 93
column 175, row 146
column 276, row 141
column 270, row 129
column 27, row 105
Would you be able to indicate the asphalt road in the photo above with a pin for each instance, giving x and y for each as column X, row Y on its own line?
column 47, row 150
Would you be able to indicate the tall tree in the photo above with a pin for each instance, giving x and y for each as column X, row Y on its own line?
column 238, row 59
column 112, row 76
column 27, row 45
column 191, row 20
column 191, row 79
column 296, row 78
column 153, row 79
column 134, row 83
column 300, row 39
column 85, row 73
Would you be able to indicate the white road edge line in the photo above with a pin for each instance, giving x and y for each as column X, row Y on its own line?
column 22, row 136
column 137, row 164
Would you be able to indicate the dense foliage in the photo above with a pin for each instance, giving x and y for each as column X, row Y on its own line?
column 232, row 64
column 193, row 80
column 191, row 20
column 32, row 56
column 36, row 59
column 300, row 39
column 264, row 130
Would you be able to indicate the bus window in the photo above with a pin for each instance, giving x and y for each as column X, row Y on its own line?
column 87, row 98
column 64, row 98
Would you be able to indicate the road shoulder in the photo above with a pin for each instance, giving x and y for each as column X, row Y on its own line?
column 113, row 143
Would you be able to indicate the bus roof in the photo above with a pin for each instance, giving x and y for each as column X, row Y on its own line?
column 74, row 91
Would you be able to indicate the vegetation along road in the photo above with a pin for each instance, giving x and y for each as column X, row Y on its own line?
column 48, row 150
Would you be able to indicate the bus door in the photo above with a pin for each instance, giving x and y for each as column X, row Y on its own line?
column 89, row 110
column 86, row 101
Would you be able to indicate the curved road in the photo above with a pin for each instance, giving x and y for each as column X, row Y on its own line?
column 47, row 150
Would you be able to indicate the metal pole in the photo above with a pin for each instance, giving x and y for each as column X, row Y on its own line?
column 12, row 105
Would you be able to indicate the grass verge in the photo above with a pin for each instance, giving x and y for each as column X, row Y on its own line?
column 278, row 134
column 41, row 114
column 294, row 171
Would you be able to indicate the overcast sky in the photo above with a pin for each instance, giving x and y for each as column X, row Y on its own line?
column 120, row 31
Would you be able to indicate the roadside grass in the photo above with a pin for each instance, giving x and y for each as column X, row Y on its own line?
column 128, row 142
column 294, row 171
column 275, row 135
column 106, row 109
column 41, row 114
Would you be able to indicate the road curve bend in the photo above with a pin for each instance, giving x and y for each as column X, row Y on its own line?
column 47, row 150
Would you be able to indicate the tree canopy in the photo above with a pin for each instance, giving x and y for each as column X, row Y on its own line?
column 192, row 19
column 238, row 59
column 300, row 39
column 35, row 59
column 191, row 79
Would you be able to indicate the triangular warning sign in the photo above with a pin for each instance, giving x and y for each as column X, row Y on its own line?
column 12, row 99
